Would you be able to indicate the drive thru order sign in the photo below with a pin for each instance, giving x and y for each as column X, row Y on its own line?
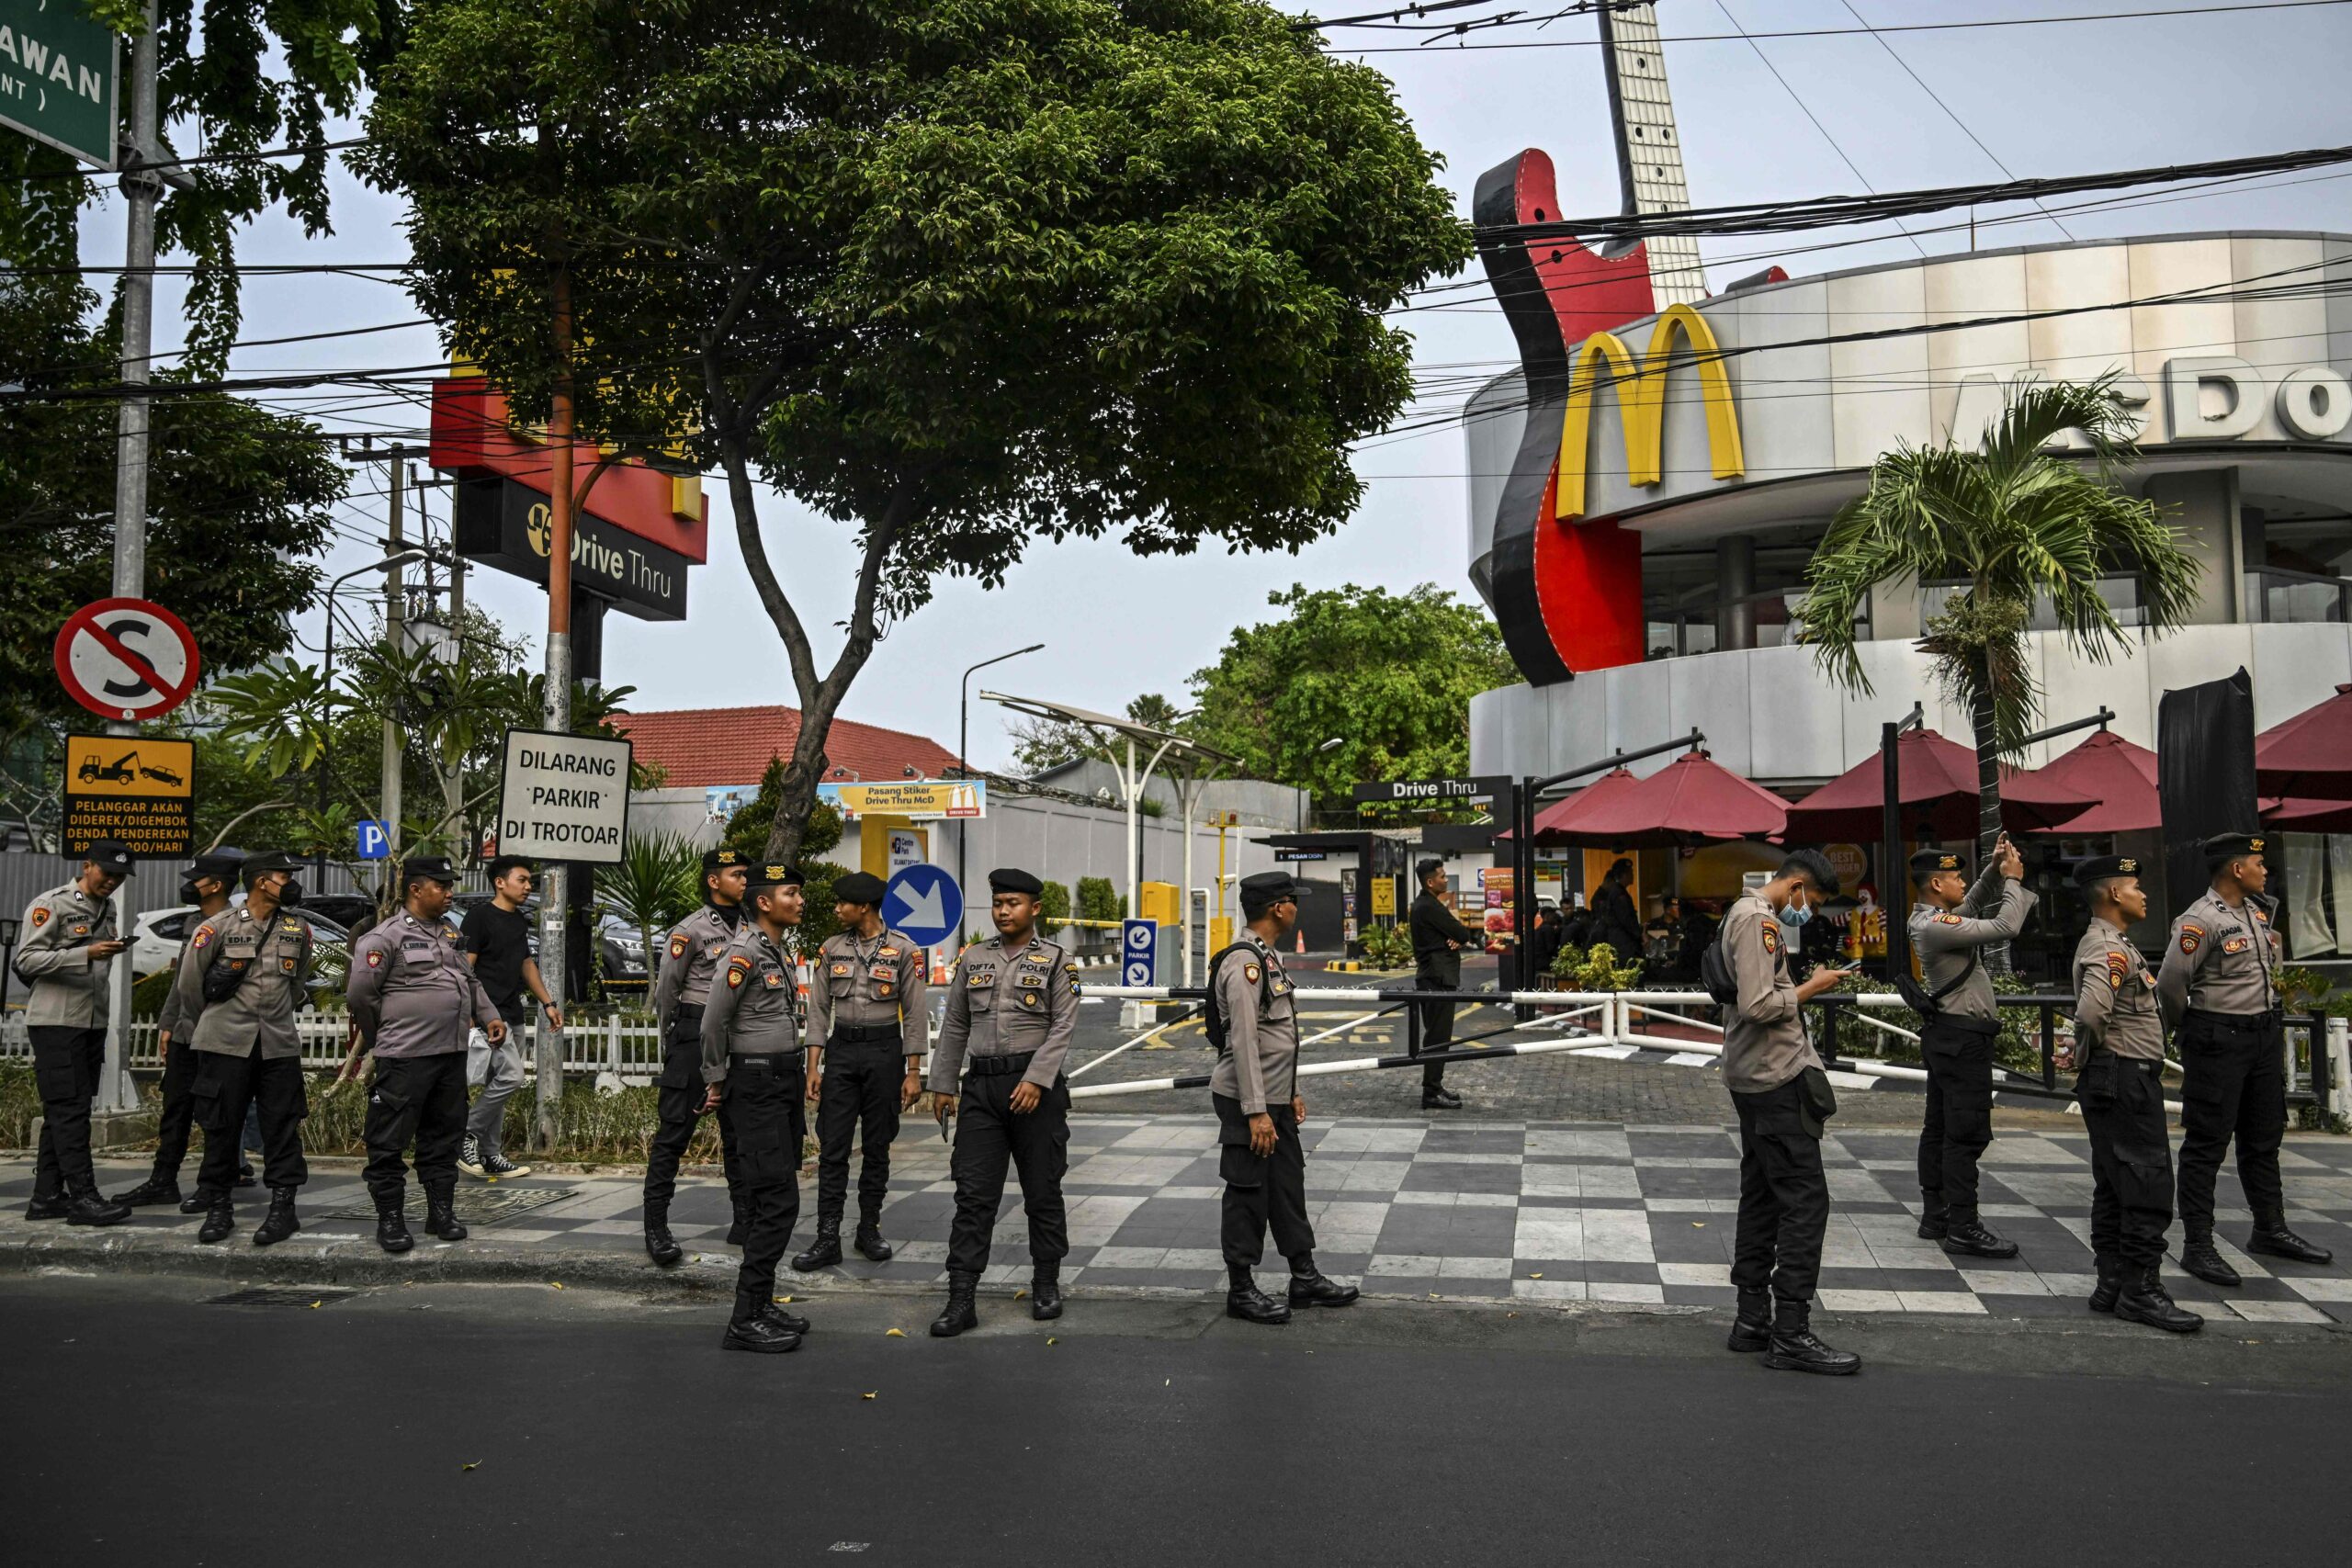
column 564, row 797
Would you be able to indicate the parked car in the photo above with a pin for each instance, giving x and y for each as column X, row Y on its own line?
column 157, row 935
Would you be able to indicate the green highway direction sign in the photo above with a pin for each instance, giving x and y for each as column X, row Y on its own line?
column 58, row 77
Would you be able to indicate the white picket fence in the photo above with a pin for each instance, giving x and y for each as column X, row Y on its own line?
column 624, row 1044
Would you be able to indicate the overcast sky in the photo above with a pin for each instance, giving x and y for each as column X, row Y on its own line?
column 2044, row 100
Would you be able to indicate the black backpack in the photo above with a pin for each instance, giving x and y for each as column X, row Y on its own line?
column 1213, row 1025
column 1716, row 976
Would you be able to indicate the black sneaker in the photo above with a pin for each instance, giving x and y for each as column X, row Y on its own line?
column 1440, row 1099
column 763, row 1335
column 498, row 1167
column 469, row 1157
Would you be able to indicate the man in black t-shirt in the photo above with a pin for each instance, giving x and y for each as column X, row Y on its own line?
column 496, row 938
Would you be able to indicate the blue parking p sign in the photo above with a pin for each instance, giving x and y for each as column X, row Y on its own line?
column 375, row 843
column 1139, row 953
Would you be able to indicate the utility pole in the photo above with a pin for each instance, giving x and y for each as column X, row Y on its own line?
column 453, row 783
column 557, row 710
column 142, row 188
column 395, row 618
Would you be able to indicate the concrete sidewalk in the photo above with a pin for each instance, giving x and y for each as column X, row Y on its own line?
column 1533, row 1213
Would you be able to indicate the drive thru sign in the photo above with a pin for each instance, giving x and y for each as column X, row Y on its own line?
column 564, row 797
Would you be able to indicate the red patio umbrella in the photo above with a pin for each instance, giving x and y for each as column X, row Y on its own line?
column 2295, row 814
column 2106, row 768
column 1553, row 823
column 1938, row 778
column 2310, row 754
column 1694, row 796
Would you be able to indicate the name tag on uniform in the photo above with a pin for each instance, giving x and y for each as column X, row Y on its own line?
column 422, row 951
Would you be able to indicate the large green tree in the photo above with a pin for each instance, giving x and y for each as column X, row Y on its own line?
column 960, row 276
column 1388, row 676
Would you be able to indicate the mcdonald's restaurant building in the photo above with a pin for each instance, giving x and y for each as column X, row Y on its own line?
column 1644, row 538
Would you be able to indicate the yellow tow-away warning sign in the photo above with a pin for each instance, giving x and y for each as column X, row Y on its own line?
column 140, row 789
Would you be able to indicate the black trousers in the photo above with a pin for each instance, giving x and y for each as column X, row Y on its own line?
column 677, row 1107
column 66, row 1065
column 2123, row 1111
column 420, row 1099
column 761, row 1117
column 1437, row 1026
column 1783, row 1197
column 2234, row 1083
column 1958, row 1128
column 1260, row 1192
column 223, row 1088
column 860, row 1095
column 178, row 1114
column 989, row 1138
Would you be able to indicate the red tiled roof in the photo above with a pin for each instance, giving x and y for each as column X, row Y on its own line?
column 702, row 747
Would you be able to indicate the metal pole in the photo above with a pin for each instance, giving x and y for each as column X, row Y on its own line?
column 395, row 619
column 556, row 715
column 142, row 188
column 453, row 783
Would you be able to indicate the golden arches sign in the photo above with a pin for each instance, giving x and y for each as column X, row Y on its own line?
column 1641, row 399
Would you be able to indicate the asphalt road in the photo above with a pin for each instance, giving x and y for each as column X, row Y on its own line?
column 147, row 1427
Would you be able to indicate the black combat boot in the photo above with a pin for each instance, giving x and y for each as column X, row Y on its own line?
column 441, row 1212
column 1934, row 1217
column 391, row 1225
column 2146, row 1300
column 219, row 1219
column 91, row 1207
column 791, row 1320
column 279, row 1223
column 2272, row 1238
column 2110, row 1282
column 1969, row 1238
column 49, row 1208
column 1245, row 1300
column 1751, row 1328
column 751, row 1329
column 960, row 1313
column 195, row 1203
column 1795, row 1349
column 870, row 1245
column 823, row 1252
column 148, row 1194
column 1308, row 1288
column 1440, row 1099
column 2198, row 1256
column 741, row 1231
column 660, row 1245
column 1046, row 1292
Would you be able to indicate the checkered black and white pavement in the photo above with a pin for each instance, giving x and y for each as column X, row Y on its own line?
column 1537, row 1211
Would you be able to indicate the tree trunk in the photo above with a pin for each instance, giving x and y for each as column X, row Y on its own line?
column 1988, row 802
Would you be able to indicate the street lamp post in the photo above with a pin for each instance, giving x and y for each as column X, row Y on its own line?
column 963, row 759
column 1327, row 748
column 393, row 562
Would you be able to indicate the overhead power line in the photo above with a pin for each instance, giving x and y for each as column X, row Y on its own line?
column 1524, row 20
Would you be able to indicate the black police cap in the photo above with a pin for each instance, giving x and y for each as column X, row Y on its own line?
column 2090, row 873
column 219, row 864
column 1261, row 890
column 859, row 887
column 1927, row 862
column 769, row 873
column 255, row 867
column 417, row 868
column 1007, row 879
column 109, row 855
column 720, row 860
column 2222, row 847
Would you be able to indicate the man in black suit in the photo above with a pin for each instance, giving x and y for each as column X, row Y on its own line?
column 1438, row 941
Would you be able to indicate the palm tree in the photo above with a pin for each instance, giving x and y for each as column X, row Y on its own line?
column 2022, row 519
column 657, row 884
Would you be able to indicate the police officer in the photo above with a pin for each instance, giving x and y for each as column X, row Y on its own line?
column 868, row 1026
column 1260, row 1110
column 2219, row 987
column 2119, row 1043
column 1950, row 928
column 206, row 886
column 690, row 958
column 414, row 997
column 246, row 972
column 750, row 1068
column 66, row 955
column 1438, row 941
column 1012, row 1005
column 1781, row 1096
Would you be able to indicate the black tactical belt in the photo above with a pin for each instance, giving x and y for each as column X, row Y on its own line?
column 2234, row 1022
column 775, row 1061
column 997, row 1067
column 1984, row 1027
column 866, row 1035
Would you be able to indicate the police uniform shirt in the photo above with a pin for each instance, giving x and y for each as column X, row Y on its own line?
column 863, row 982
column 691, row 958
column 1259, row 1001
column 69, row 990
column 752, row 1008
column 2220, row 960
column 1764, row 1038
column 273, row 957
column 411, row 992
column 2115, row 997
column 1004, row 1002
column 1946, row 938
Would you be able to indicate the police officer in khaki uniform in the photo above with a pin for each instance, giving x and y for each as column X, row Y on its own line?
column 246, row 972
column 690, row 957
column 1012, row 1005
column 2119, row 1050
column 869, row 1023
column 415, row 998
column 207, row 887
column 1950, row 928
column 2219, row 987
column 66, row 955
column 751, row 1068
column 1254, row 1086
column 1781, row 1096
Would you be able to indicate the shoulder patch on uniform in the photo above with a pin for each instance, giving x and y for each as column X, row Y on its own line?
column 2118, row 966
column 375, row 958
column 41, row 914
column 204, row 938
column 1771, row 936
column 1250, row 973
column 1946, row 917
column 738, row 969
column 2192, row 936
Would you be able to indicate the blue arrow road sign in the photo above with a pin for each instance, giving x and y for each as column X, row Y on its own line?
column 1139, row 953
column 924, row 901
column 374, row 843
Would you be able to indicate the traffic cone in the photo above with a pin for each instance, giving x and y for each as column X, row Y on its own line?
column 1302, row 941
